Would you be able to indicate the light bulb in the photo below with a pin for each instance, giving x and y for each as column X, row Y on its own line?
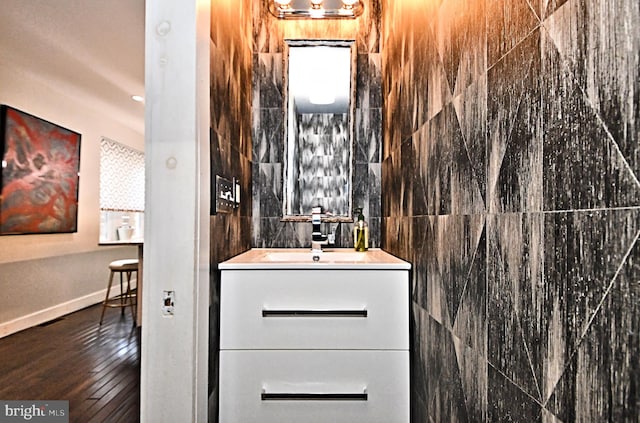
column 347, row 7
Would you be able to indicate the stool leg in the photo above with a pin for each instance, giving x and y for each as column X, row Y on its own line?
column 130, row 298
column 106, row 298
column 122, row 297
column 134, row 302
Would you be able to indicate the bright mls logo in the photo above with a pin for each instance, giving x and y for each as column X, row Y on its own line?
column 34, row 411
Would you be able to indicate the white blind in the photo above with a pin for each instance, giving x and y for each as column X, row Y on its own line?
column 121, row 177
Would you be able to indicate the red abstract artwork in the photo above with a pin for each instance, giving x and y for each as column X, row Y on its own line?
column 39, row 180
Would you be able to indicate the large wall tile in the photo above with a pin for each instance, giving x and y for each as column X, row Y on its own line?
column 368, row 83
column 391, row 203
column 418, row 408
column 460, row 236
column 405, row 164
column 471, row 111
column 583, row 165
column 473, row 368
column 586, row 32
column 460, row 33
column 269, row 182
column 470, row 321
column 268, row 143
column 419, row 377
column 516, row 296
column 521, row 204
column 508, row 403
column 401, row 229
column 267, row 83
column 368, row 145
column 601, row 377
column 398, row 202
column 444, row 388
column 583, row 253
column 547, row 7
column 267, row 33
column 422, row 245
column 515, row 141
column 508, row 23
column 446, row 181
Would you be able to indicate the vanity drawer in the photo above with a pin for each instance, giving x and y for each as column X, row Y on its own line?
column 324, row 309
column 314, row 386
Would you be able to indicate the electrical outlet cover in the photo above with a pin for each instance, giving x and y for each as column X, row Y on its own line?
column 168, row 303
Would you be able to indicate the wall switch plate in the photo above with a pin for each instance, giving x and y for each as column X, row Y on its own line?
column 237, row 197
column 225, row 193
column 168, row 303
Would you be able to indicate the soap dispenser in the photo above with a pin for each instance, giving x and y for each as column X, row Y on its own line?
column 360, row 233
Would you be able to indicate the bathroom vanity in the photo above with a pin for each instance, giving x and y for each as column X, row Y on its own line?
column 307, row 341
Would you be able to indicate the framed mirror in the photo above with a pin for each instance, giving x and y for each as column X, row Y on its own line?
column 319, row 128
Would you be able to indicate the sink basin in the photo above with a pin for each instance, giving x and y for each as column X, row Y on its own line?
column 307, row 256
column 302, row 258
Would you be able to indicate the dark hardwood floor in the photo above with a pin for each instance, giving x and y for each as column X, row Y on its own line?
column 97, row 369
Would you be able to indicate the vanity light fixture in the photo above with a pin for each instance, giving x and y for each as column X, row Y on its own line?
column 282, row 4
column 316, row 9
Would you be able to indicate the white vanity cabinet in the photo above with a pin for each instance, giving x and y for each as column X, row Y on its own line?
column 326, row 342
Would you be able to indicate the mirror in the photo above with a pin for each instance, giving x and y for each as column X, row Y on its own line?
column 319, row 111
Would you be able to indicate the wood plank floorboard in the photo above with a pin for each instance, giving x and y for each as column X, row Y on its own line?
column 96, row 368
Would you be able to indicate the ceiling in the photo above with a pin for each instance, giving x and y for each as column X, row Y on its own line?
column 92, row 50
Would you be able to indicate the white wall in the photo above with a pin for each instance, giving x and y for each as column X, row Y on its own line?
column 174, row 356
column 44, row 276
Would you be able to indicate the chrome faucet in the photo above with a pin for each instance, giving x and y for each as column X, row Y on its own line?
column 317, row 238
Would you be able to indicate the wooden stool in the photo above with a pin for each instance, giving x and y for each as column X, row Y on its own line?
column 126, row 297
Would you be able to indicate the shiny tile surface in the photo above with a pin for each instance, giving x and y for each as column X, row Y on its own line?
column 510, row 181
column 231, row 152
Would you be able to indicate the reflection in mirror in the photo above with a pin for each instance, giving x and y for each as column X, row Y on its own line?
column 319, row 128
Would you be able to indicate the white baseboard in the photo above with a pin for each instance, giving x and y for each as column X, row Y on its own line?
column 43, row 316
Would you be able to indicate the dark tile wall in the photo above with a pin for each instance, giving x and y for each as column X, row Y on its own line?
column 231, row 145
column 510, row 180
column 268, row 124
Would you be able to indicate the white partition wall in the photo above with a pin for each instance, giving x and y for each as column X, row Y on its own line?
column 174, row 345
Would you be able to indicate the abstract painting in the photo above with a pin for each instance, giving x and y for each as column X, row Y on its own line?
column 40, row 175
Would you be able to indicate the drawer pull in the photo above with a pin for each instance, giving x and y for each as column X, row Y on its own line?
column 286, row 396
column 314, row 313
